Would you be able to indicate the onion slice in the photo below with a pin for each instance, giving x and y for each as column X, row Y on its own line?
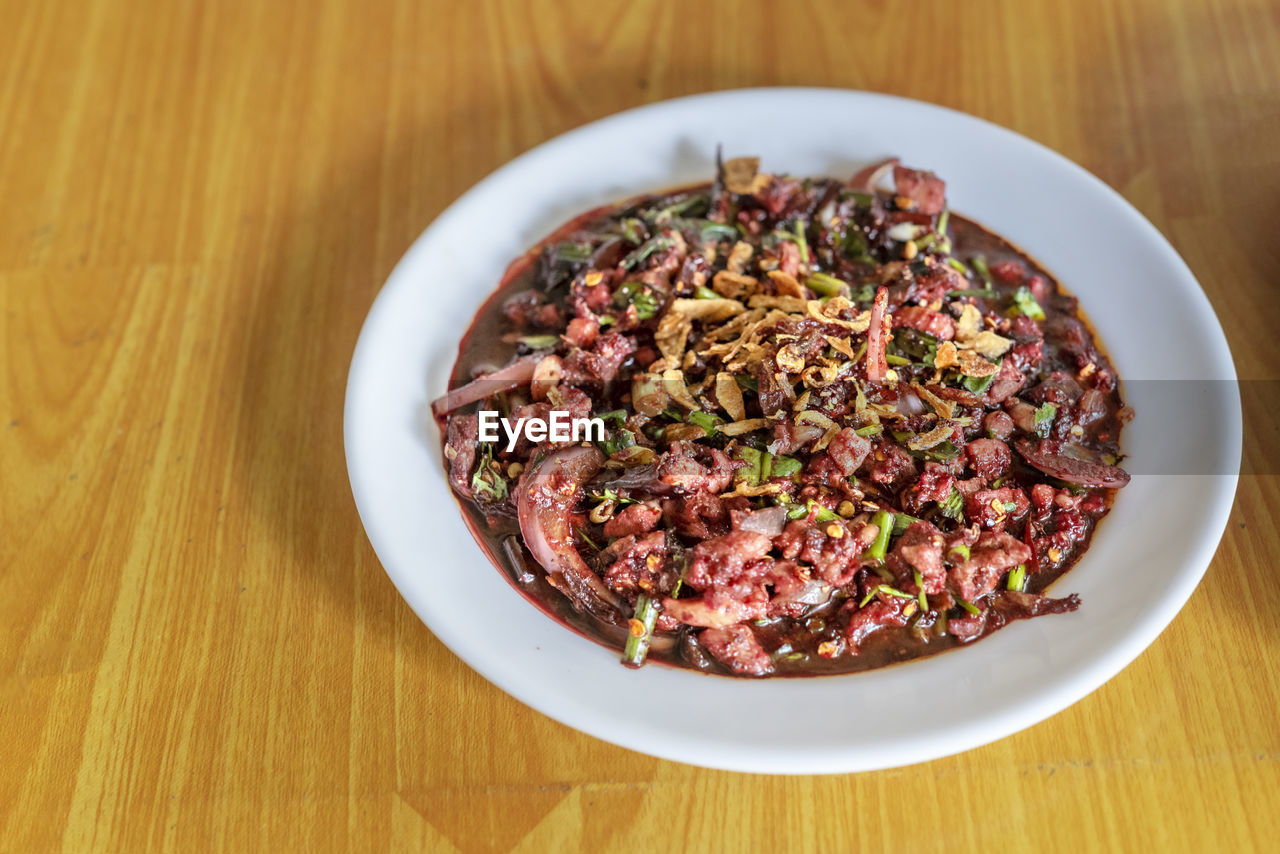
column 545, row 498
column 515, row 374
column 865, row 180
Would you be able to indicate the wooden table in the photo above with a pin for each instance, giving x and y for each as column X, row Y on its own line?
column 198, row 203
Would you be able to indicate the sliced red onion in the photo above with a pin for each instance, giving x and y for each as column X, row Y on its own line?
column 515, row 374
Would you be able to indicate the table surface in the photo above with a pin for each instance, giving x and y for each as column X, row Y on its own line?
column 198, row 202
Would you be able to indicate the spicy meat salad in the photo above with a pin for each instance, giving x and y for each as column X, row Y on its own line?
column 838, row 426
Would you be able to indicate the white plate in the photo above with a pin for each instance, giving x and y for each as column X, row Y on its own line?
column 1147, row 556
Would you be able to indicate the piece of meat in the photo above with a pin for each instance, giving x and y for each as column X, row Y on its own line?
column 697, row 516
column 989, row 458
column 889, row 464
column 582, row 332
column 461, row 437
column 996, row 508
column 935, row 323
column 920, row 549
column 847, row 450
column 935, row 485
column 994, row 554
column 999, row 425
column 601, row 362
column 789, row 437
column 633, row 519
column 724, row 560
column 682, row 469
column 875, row 615
column 926, row 189
column 636, row 563
column 1005, row 385
column 737, row 648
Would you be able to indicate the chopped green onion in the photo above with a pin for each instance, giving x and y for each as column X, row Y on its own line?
column 801, row 242
column 704, row 292
column 786, row 466
column 879, row 547
column 919, row 580
column 1018, row 578
column 539, row 342
column 953, row 505
column 941, row 227
column 870, row 430
column 969, row 606
column 633, row 230
column 896, row 360
column 885, row 589
column 957, row 265
column 640, row 631
column 1010, row 506
column 901, row 522
column 959, row 549
column 979, row 263
column 823, row 284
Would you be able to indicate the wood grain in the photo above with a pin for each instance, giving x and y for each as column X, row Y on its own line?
column 198, row 203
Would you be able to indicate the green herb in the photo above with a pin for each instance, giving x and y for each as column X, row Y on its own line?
column 617, row 416
column 573, row 253
column 650, row 246
column 959, row 549
column 607, row 320
column 870, row 430
column 583, row 533
column 896, row 360
column 1044, row 418
column 640, row 632
column 854, row 244
column 705, row 420
column 745, row 381
column 919, row 580
column 1017, row 578
column 1009, row 506
column 969, row 606
column 639, row 295
column 978, row 385
column 943, row 452
column 680, row 208
column 487, row 484
column 953, row 505
column 1025, row 303
column 957, row 265
column 610, row 495
column 919, row 346
column 704, row 292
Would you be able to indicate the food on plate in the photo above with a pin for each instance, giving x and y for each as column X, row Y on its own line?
column 839, row 425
